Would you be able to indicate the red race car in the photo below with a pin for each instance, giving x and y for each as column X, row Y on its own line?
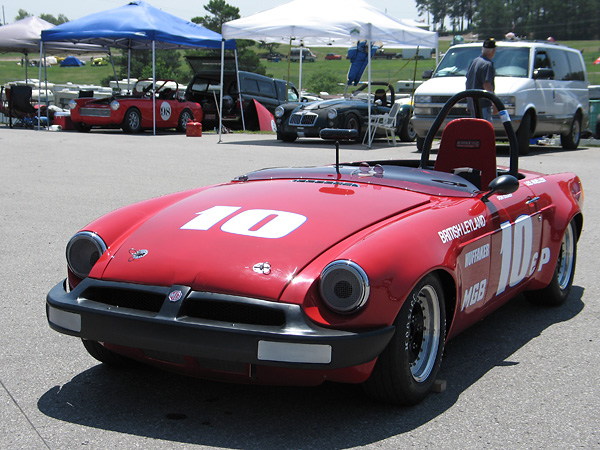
column 133, row 113
column 355, row 273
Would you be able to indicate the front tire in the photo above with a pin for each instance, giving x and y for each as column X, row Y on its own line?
column 185, row 117
column 559, row 288
column 407, row 131
column 82, row 127
column 132, row 122
column 102, row 354
column 286, row 137
column 524, row 134
column 407, row 368
column 570, row 141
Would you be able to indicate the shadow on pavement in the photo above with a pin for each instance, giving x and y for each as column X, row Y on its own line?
column 146, row 402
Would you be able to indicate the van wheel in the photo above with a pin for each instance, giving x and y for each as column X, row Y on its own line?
column 570, row 141
column 420, row 142
column 524, row 134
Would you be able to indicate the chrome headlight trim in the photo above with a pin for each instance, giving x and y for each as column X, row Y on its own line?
column 114, row 105
column 72, row 104
column 279, row 112
column 344, row 286
column 332, row 114
column 83, row 250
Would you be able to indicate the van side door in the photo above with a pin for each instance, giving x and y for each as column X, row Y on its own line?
column 544, row 100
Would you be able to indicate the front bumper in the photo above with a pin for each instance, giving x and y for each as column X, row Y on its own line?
column 206, row 325
column 422, row 124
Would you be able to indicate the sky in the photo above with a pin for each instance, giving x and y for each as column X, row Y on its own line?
column 185, row 9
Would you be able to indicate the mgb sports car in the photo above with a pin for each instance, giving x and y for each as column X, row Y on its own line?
column 133, row 112
column 354, row 273
column 350, row 112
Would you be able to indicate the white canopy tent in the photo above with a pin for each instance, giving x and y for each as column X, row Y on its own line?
column 338, row 23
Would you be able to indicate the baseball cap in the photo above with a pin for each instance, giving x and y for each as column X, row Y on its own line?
column 489, row 43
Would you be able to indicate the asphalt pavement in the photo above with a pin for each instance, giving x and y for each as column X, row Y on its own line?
column 524, row 378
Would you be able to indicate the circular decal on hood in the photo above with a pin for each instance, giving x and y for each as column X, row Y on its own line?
column 165, row 111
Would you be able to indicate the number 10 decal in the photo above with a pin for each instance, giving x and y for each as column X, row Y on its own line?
column 261, row 223
column 518, row 259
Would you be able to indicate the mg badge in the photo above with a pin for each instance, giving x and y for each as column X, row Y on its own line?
column 264, row 268
column 137, row 254
column 175, row 296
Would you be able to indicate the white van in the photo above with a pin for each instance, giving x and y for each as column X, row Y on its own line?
column 543, row 86
column 307, row 55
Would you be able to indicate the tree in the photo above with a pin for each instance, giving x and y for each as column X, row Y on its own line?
column 22, row 14
column 54, row 20
column 220, row 12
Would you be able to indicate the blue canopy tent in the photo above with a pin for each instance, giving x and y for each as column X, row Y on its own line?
column 137, row 25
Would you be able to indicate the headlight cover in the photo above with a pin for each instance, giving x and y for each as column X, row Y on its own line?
column 114, row 105
column 422, row 98
column 332, row 113
column 344, row 286
column 72, row 104
column 279, row 112
column 83, row 250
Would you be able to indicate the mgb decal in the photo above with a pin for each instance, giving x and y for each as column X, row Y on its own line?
column 474, row 294
column 518, row 258
column 260, row 223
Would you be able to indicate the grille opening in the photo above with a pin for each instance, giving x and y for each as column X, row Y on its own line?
column 125, row 298
column 232, row 312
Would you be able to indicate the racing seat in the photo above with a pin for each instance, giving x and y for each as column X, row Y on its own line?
column 468, row 148
column 381, row 95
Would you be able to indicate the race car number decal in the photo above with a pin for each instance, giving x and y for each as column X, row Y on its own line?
column 261, row 223
column 518, row 259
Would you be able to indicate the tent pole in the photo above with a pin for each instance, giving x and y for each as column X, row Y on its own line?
column 46, row 91
column 237, row 74
column 369, row 89
column 221, row 89
column 154, row 87
column 112, row 63
column 300, row 79
column 39, row 82
column 129, row 91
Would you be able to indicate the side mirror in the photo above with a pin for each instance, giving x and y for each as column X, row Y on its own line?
column 543, row 74
column 502, row 185
column 427, row 74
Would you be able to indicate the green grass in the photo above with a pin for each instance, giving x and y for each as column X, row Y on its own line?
column 382, row 70
column 88, row 74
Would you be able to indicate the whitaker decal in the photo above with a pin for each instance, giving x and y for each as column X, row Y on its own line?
column 477, row 255
column 461, row 229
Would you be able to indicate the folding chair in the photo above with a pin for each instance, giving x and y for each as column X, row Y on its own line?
column 386, row 122
column 19, row 105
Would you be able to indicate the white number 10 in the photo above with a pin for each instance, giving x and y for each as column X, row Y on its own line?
column 261, row 223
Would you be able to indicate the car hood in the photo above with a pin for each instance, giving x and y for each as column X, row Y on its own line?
column 325, row 104
column 225, row 238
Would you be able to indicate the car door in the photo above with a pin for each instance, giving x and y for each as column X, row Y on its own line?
column 515, row 244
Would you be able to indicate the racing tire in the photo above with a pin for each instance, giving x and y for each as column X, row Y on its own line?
column 407, row 368
column 82, row 127
column 407, row 131
column 559, row 288
column 570, row 141
column 353, row 123
column 185, row 117
column 286, row 137
column 132, row 122
column 102, row 354
column 524, row 135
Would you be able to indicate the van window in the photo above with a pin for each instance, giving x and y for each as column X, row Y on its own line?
column 577, row 70
column 508, row 61
column 541, row 61
column 560, row 64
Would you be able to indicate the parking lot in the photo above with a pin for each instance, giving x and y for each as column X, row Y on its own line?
column 524, row 378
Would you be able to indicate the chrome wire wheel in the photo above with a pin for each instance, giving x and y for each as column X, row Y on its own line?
column 566, row 259
column 424, row 333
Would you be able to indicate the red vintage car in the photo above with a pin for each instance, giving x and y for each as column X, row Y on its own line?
column 133, row 113
column 355, row 273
